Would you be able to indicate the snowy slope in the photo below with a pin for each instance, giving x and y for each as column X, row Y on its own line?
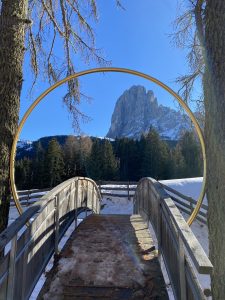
column 188, row 186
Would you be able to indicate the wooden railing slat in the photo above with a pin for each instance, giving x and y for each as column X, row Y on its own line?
column 12, row 229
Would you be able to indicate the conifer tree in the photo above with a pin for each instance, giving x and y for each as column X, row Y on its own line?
column 69, row 152
column 38, row 166
column 178, row 166
column 24, row 173
column 121, row 151
column 95, row 164
column 128, row 157
column 109, row 162
column 102, row 163
column 134, row 160
column 54, row 164
column 191, row 152
column 84, row 150
column 155, row 156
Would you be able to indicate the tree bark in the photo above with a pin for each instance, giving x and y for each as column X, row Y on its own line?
column 12, row 39
column 214, row 94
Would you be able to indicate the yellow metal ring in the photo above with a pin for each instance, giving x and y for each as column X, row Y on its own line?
column 99, row 70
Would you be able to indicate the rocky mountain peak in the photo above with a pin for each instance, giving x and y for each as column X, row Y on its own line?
column 137, row 110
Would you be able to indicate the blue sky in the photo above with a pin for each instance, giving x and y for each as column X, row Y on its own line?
column 137, row 38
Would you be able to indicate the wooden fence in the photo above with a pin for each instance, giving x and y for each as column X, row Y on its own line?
column 182, row 254
column 119, row 189
column 28, row 197
column 187, row 204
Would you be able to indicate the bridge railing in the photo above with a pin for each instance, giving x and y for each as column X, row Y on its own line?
column 182, row 254
column 33, row 246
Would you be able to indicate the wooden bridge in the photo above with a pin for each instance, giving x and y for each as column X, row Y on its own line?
column 107, row 256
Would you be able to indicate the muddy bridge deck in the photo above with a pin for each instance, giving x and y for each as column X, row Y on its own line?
column 107, row 257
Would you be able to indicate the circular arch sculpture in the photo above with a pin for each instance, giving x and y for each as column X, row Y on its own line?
column 101, row 70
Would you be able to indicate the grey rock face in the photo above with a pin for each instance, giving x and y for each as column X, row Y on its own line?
column 137, row 110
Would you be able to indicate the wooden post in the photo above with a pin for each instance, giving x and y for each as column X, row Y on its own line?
column 82, row 193
column 70, row 198
column 148, row 203
column 92, row 198
column 76, row 200
column 136, row 202
column 183, row 294
column 24, row 273
column 191, row 207
column 57, row 224
column 28, row 197
column 159, row 225
column 99, row 186
column 86, row 200
column 12, row 265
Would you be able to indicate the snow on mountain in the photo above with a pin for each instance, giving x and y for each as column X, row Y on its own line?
column 137, row 110
column 25, row 145
column 105, row 138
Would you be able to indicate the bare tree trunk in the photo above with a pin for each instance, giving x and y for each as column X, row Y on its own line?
column 12, row 38
column 214, row 93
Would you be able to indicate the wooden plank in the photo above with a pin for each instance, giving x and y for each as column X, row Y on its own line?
column 177, row 193
column 12, row 267
column 181, row 202
column 195, row 250
column 116, row 195
column 28, row 192
column 4, row 269
column 188, row 206
column 189, row 199
column 30, row 198
column 117, row 188
column 192, row 282
column 116, row 182
column 201, row 219
column 203, row 206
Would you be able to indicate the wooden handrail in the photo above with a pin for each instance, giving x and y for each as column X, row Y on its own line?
column 7, row 235
column 176, row 242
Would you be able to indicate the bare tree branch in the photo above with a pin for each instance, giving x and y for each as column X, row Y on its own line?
column 69, row 25
column 189, row 34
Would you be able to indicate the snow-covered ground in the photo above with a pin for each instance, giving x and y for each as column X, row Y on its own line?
column 188, row 186
column 117, row 205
